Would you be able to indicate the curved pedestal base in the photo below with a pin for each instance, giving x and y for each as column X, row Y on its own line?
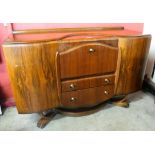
column 122, row 103
column 49, row 115
column 46, row 117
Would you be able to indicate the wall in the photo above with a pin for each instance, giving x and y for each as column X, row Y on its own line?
column 149, row 28
column 5, row 32
column 5, row 88
column 129, row 26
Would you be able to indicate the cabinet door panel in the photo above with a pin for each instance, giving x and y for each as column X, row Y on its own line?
column 32, row 72
column 88, row 59
column 133, row 57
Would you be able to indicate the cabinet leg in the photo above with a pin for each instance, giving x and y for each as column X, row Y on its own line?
column 46, row 118
column 120, row 101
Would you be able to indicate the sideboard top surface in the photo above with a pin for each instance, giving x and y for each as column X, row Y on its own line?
column 69, row 35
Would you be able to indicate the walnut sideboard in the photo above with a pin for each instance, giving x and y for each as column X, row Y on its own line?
column 77, row 73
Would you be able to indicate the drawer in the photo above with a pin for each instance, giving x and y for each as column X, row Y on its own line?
column 84, row 83
column 88, row 59
column 87, row 97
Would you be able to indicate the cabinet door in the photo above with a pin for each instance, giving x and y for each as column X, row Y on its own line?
column 88, row 59
column 32, row 70
column 133, row 58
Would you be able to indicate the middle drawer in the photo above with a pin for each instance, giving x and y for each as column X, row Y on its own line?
column 84, row 83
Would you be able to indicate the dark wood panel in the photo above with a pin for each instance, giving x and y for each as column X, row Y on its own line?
column 32, row 70
column 134, row 52
column 87, row 97
column 72, row 85
column 88, row 59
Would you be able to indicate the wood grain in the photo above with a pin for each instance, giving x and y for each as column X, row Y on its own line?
column 62, row 30
column 32, row 70
column 90, row 82
column 65, row 45
column 87, row 97
column 42, row 72
column 35, row 72
column 134, row 52
column 78, row 61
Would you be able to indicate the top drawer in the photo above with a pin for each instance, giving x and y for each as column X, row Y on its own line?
column 88, row 59
column 85, row 83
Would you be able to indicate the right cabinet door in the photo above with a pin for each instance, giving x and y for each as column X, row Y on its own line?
column 133, row 52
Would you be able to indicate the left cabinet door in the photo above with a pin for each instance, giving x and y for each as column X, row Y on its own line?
column 33, row 75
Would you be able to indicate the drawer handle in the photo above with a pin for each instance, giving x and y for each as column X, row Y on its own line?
column 107, row 80
column 91, row 50
column 106, row 92
column 72, row 86
column 72, row 99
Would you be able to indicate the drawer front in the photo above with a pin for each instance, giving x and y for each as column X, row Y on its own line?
column 88, row 59
column 85, row 83
column 87, row 97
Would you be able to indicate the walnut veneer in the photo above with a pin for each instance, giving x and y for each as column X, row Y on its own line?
column 75, row 73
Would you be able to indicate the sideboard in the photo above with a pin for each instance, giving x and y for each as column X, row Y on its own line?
column 78, row 73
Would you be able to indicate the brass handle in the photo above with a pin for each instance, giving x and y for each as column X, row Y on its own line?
column 107, row 80
column 72, row 99
column 106, row 92
column 91, row 50
column 72, row 86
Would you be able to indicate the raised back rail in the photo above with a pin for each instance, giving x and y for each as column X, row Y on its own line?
column 66, row 30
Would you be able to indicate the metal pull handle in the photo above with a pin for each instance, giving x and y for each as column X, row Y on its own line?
column 91, row 50
column 106, row 92
column 72, row 86
column 72, row 99
column 106, row 80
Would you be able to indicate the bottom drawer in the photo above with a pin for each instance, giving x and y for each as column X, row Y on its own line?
column 87, row 97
